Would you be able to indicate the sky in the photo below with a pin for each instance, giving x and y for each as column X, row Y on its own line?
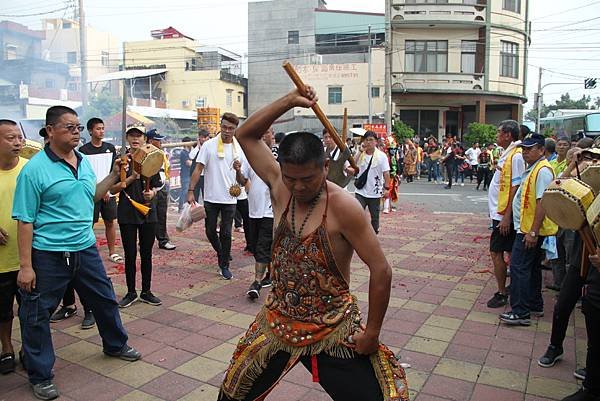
column 564, row 38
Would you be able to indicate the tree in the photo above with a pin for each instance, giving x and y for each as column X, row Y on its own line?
column 565, row 102
column 102, row 105
column 482, row 133
column 402, row 132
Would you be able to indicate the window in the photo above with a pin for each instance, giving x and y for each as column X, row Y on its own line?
column 375, row 91
column 105, row 59
column 229, row 98
column 293, row 37
column 67, row 25
column 469, row 1
column 509, row 60
column 72, row 86
column 426, row 56
column 10, row 52
column 467, row 56
column 201, row 102
column 49, row 84
column 239, row 98
column 335, row 95
column 71, row 57
column 512, row 5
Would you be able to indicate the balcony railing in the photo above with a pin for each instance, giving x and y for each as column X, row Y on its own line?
column 405, row 13
column 437, row 81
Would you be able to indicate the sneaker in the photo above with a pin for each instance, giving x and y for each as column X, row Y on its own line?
column 498, row 300
column 266, row 282
column 7, row 363
column 537, row 313
column 128, row 353
column 462, row 184
column 149, row 298
column 226, row 273
column 553, row 354
column 580, row 373
column 582, row 394
column 168, row 246
column 254, row 290
column 89, row 320
column 45, row 390
column 513, row 319
column 63, row 313
column 128, row 300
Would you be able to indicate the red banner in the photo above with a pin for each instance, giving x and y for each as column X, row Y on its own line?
column 379, row 129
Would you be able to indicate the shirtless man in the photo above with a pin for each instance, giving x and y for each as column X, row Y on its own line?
column 310, row 315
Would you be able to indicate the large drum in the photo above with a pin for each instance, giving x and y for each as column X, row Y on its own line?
column 566, row 202
column 593, row 218
column 30, row 149
column 148, row 160
column 591, row 176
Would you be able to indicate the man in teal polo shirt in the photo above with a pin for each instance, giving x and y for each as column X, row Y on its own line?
column 54, row 205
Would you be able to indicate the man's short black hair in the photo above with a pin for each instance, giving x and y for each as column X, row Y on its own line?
column 186, row 139
column 550, row 145
column 301, row 148
column 92, row 122
column 279, row 137
column 54, row 113
column 524, row 130
column 585, row 143
column 369, row 134
column 202, row 133
column 512, row 127
column 7, row 122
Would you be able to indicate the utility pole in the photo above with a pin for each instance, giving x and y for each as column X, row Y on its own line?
column 83, row 56
column 388, row 65
column 370, row 82
column 540, row 102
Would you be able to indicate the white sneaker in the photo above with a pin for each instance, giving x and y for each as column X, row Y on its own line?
column 462, row 184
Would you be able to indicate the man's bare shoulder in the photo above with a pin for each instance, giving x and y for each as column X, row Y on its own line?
column 343, row 205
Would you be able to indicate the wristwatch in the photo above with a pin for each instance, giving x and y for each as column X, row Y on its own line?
column 533, row 234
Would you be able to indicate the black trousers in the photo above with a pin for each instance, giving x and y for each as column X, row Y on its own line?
column 261, row 239
column 483, row 176
column 242, row 218
column 592, row 325
column 343, row 379
column 570, row 290
column 129, row 237
column 373, row 205
column 221, row 241
column 162, row 204
column 69, row 298
column 449, row 171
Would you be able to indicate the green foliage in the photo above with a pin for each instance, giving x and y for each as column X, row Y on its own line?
column 565, row 102
column 482, row 133
column 102, row 105
column 402, row 131
column 548, row 132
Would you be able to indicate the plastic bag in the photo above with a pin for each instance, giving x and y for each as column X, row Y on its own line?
column 185, row 219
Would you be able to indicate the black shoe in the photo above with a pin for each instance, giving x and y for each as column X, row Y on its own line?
column 7, row 363
column 128, row 300
column 254, row 290
column 582, row 395
column 498, row 300
column 128, row 353
column 89, row 320
column 266, row 282
column 447, row 187
column 226, row 273
column 553, row 354
column 553, row 287
column 63, row 313
column 149, row 298
column 45, row 390
column 580, row 373
column 512, row 319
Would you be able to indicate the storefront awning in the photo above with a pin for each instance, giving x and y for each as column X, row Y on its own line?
column 127, row 74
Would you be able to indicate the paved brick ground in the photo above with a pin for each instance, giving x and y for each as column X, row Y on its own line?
column 437, row 322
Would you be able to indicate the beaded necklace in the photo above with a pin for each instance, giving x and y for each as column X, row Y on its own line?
column 313, row 204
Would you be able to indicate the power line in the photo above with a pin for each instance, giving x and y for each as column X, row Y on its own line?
column 33, row 14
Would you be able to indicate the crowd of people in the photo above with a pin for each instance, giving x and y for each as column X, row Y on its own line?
column 288, row 195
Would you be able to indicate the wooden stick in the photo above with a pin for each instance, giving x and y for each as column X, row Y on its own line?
column 345, row 125
column 289, row 68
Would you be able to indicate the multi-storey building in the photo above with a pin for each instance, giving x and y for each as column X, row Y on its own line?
column 458, row 61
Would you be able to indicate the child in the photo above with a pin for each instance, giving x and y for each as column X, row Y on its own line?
column 134, row 224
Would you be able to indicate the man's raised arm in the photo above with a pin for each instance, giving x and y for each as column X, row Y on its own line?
column 250, row 133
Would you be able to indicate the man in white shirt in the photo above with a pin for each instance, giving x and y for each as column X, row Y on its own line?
column 473, row 158
column 502, row 190
column 221, row 190
column 340, row 171
column 374, row 163
column 261, row 221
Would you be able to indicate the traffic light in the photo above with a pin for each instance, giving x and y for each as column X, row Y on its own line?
column 590, row 83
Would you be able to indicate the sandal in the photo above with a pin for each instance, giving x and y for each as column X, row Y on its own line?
column 116, row 258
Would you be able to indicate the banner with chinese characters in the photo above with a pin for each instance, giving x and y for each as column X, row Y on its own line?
column 379, row 129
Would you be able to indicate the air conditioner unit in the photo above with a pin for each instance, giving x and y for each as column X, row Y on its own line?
column 185, row 103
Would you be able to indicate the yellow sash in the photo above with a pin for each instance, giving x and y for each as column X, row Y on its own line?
column 529, row 201
column 506, row 181
column 221, row 148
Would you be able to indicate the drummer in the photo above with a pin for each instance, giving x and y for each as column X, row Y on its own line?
column 135, row 225
column 532, row 227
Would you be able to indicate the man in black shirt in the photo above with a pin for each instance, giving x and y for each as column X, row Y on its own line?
column 184, row 171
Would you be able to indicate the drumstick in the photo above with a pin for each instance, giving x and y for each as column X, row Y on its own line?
column 289, row 68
